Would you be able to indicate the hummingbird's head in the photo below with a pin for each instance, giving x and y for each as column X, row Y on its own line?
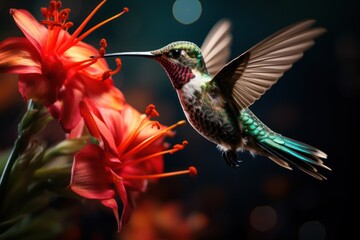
column 181, row 61
column 182, row 53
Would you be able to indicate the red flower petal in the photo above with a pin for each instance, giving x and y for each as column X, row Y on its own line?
column 89, row 177
column 121, row 190
column 97, row 127
column 89, row 120
column 17, row 55
column 111, row 203
column 37, row 87
column 32, row 29
column 77, row 131
column 69, row 108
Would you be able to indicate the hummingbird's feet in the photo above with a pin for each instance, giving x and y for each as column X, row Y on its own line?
column 231, row 158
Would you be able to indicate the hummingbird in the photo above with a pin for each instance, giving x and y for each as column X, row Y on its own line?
column 215, row 95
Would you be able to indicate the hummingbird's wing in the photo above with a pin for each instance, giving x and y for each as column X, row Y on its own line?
column 249, row 75
column 216, row 47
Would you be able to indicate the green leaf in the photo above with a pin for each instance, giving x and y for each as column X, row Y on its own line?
column 45, row 226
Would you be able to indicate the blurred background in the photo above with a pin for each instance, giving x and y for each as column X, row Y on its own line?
column 317, row 102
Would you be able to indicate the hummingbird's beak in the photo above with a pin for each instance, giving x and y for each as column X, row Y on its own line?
column 131, row 54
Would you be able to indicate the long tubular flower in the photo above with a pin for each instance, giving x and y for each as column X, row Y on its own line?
column 54, row 66
column 129, row 154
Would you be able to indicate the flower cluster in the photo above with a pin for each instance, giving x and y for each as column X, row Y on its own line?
column 56, row 71
column 54, row 66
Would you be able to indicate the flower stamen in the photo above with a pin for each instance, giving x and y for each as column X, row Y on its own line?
column 54, row 18
column 155, row 124
column 133, row 135
column 151, row 111
column 109, row 73
column 192, row 171
column 175, row 148
column 84, row 35
column 69, row 42
column 87, row 62
column 179, row 147
column 103, row 45
column 142, row 124
column 55, row 22
column 151, row 139
column 82, row 64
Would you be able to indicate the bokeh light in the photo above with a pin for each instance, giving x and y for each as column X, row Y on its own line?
column 187, row 11
column 263, row 218
column 312, row 230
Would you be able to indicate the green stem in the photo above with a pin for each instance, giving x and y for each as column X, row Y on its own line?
column 20, row 145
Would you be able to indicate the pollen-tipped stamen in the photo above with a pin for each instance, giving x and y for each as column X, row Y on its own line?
column 151, row 139
column 84, row 35
column 88, row 62
column 134, row 134
column 69, row 42
column 175, row 148
column 192, row 171
column 151, row 111
column 103, row 46
column 179, row 147
column 55, row 22
column 109, row 73
column 142, row 124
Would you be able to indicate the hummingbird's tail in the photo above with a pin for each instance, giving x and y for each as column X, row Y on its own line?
column 288, row 152
column 282, row 150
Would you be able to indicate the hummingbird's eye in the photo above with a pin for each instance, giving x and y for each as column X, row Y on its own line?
column 175, row 53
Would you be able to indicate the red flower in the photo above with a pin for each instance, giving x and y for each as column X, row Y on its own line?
column 54, row 67
column 130, row 153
